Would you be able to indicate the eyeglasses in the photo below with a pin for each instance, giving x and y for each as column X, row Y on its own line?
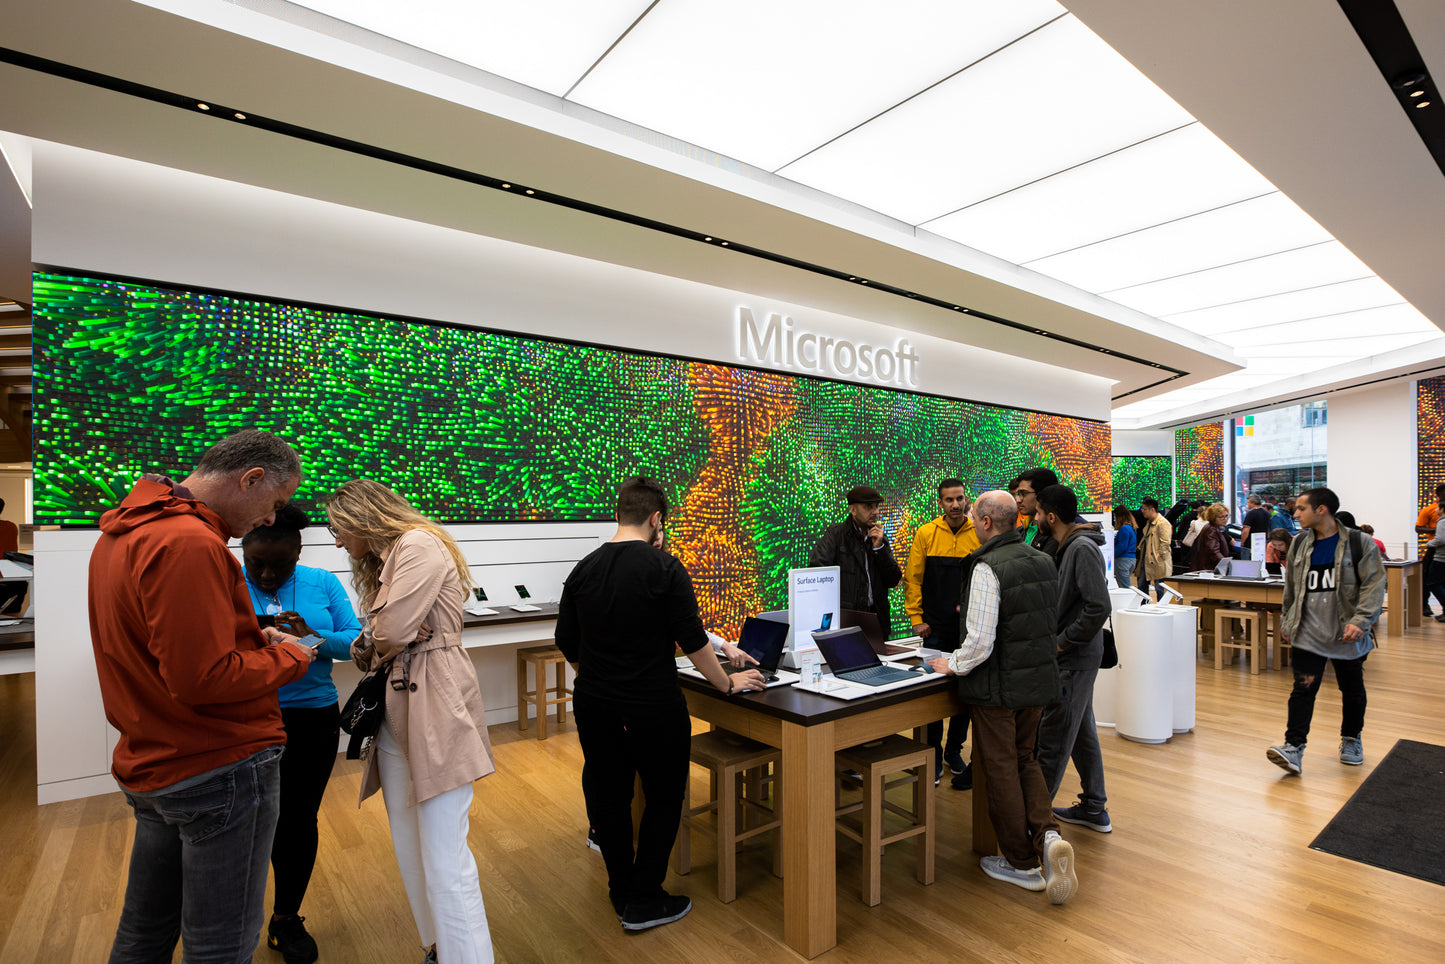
column 334, row 533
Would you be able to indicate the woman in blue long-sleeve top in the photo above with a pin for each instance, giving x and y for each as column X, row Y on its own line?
column 303, row 601
column 1126, row 546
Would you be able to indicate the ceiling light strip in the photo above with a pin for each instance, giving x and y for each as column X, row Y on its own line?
column 205, row 108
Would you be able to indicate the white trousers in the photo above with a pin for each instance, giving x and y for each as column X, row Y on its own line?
column 436, row 864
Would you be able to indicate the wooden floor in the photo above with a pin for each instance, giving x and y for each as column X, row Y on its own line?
column 1209, row 859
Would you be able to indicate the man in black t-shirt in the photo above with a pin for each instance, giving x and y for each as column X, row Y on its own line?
column 1256, row 521
column 625, row 609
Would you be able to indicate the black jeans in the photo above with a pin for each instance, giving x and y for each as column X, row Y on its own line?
column 957, row 734
column 1309, row 672
column 311, row 739
column 618, row 741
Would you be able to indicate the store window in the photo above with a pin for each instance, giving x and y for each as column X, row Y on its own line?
column 1279, row 453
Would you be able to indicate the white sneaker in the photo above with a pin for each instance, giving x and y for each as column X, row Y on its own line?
column 1059, row 876
column 1000, row 869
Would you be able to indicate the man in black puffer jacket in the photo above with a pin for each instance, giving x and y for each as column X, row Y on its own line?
column 867, row 568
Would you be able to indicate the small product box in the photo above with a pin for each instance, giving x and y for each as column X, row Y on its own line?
column 810, row 666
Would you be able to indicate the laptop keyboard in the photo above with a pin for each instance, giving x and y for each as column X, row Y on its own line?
column 877, row 674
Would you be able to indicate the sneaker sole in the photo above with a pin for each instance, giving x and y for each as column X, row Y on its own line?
column 1026, row 884
column 1061, row 880
column 1279, row 760
column 656, row 922
column 1352, row 763
column 1097, row 828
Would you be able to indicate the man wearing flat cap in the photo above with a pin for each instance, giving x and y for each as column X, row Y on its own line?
column 857, row 546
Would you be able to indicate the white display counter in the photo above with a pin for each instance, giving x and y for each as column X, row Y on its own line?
column 1145, row 695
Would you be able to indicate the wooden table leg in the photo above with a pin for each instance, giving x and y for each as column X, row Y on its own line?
column 1395, row 598
column 985, row 842
column 810, row 911
column 1415, row 596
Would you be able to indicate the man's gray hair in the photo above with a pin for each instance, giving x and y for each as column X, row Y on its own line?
column 251, row 449
column 1253, row 499
column 1000, row 507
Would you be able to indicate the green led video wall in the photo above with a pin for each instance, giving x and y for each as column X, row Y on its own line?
column 1137, row 477
column 476, row 426
column 1199, row 462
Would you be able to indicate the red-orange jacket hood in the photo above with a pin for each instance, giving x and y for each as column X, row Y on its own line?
column 157, row 497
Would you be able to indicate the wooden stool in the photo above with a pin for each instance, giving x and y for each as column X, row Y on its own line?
column 875, row 760
column 540, row 657
column 1253, row 643
column 738, row 768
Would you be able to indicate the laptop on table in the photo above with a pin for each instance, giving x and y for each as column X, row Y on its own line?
column 851, row 657
column 763, row 640
column 873, row 630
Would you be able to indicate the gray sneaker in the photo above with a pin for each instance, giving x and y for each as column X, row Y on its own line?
column 1287, row 757
column 1000, row 869
column 1059, row 875
column 1352, row 751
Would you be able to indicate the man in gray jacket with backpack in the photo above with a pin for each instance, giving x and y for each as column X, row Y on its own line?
column 1067, row 729
column 1334, row 587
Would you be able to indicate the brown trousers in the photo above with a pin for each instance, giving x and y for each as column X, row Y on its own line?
column 1019, row 803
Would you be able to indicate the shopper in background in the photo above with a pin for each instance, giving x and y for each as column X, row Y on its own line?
column 1154, row 549
column 625, row 608
column 308, row 603
column 1283, row 517
column 1278, row 546
column 931, row 584
column 1333, row 591
column 1126, row 546
column 1256, row 520
column 1005, row 661
column 1212, row 542
column 860, row 550
column 13, row 591
column 412, row 579
column 1435, row 571
column 1425, row 524
column 190, row 681
column 1066, row 729
column 1031, row 483
column 1369, row 530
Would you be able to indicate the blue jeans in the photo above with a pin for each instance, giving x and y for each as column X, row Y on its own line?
column 198, row 865
column 1123, row 569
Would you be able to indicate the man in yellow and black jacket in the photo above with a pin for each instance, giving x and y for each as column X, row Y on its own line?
column 931, row 586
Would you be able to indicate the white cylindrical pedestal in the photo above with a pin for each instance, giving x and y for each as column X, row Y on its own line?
column 1106, row 685
column 1181, row 648
column 1145, row 690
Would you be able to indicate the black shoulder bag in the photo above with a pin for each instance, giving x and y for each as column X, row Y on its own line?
column 365, row 709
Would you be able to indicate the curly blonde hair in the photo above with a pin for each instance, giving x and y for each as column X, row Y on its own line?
column 379, row 516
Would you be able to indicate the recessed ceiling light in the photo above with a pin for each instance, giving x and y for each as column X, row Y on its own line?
column 707, row 239
column 1423, row 103
column 240, row 116
column 864, row 281
column 204, row 106
column 530, row 191
column 1417, row 93
column 725, row 244
column 507, row 186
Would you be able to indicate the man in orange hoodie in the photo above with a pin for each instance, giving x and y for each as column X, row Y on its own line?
column 190, row 680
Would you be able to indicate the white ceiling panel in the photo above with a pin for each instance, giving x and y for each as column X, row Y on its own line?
column 1237, row 232
column 1167, row 177
column 1363, row 324
column 1319, row 264
column 546, row 44
column 1291, row 306
column 1311, row 346
column 765, row 82
column 1057, row 98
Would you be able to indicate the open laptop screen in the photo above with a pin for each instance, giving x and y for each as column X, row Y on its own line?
column 763, row 640
column 846, row 649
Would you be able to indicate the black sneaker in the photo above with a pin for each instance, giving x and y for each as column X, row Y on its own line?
column 431, row 955
column 1093, row 819
column 955, row 762
column 964, row 780
column 938, row 773
column 592, row 843
column 654, row 913
column 288, row 935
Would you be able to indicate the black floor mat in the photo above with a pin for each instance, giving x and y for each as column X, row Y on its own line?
column 1396, row 819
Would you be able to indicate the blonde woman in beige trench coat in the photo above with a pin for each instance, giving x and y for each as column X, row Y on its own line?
column 412, row 580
